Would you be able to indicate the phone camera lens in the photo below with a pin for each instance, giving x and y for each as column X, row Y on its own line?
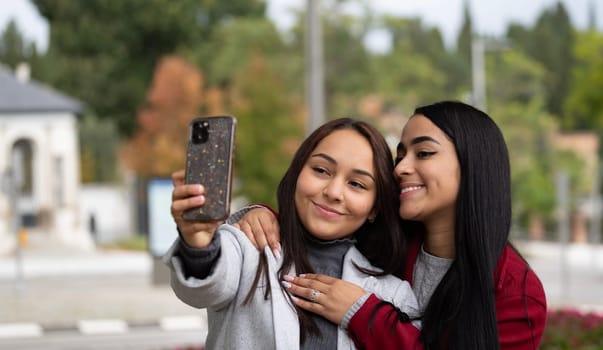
column 200, row 132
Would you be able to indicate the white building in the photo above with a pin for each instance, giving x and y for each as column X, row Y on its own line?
column 39, row 146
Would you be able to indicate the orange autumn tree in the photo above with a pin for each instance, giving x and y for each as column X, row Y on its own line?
column 175, row 96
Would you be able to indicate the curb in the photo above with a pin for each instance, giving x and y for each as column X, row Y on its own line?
column 102, row 327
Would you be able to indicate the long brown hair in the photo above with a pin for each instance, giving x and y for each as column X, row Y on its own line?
column 380, row 241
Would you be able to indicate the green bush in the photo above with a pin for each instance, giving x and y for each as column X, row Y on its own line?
column 573, row 329
column 136, row 243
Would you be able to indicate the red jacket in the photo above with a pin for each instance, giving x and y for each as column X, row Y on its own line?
column 520, row 316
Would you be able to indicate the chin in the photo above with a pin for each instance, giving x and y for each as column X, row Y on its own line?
column 408, row 216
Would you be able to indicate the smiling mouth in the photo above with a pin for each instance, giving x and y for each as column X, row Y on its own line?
column 326, row 211
column 410, row 189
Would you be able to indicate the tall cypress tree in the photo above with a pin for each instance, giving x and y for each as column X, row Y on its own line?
column 550, row 43
column 463, row 42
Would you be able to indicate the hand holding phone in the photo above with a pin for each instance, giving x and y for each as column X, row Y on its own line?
column 209, row 162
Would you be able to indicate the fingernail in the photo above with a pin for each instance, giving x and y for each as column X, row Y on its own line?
column 294, row 298
column 286, row 284
column 199, row 188
column 289, row 278
column 302, row 275
column 277, row 254
column 199, row 199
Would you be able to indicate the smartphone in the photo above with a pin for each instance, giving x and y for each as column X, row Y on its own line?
column 209, row 162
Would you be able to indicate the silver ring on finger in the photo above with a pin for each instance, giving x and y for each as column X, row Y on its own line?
column 313, row 295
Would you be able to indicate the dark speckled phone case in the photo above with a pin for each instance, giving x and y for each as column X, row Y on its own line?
column 209, row 162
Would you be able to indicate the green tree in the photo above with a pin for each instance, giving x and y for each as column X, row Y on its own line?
column 465, row 37
column 531, row 133
column 550, row 43
column 528, row 132
column 458, row 66
column 270, row 127
column 104, row 52
column 99, row 141
column 345, row 56
column 234, row 43
column 584, row 104
column 514, row 77
column 14, row 48
column 411, row 74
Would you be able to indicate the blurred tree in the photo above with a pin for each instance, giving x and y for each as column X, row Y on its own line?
column 174, row 98
column 99, row 142
column 584, row 104
column 465, row 38
column 411, row 73
column 104, row 52
column 260, row 79
column 14, row 48
column 530, row 135
column 514, row 77
column 458, row 67
column 346, row 59
column 550, row 43
column 232, row 45
column 270, row 128
column 347, row 63
column 528, row 132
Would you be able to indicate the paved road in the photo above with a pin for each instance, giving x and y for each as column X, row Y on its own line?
column 110, row 298
column 138, row 338
column 572, row 276
column 100, row 300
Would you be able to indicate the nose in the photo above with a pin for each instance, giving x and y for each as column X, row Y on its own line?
column 404, row 167
column 334, row 189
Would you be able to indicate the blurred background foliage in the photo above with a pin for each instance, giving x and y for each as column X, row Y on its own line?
column 144, row 68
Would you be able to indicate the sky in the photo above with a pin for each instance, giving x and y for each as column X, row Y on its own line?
column 490, row 17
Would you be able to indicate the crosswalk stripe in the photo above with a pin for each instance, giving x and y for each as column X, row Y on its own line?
column 20, row 330
column 105, row 326
column 181, row 323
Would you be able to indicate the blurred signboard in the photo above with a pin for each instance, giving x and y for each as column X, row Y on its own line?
column 162, row 228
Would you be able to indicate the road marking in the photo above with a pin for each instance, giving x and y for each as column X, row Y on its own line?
column 180, row 323
column 20, row 330
column 106, row 326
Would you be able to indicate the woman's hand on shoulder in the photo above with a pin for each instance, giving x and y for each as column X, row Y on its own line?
column 262, row 228
column 195, row 234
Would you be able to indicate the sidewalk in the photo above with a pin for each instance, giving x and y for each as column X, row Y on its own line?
column 572, row 275
column 62, row 289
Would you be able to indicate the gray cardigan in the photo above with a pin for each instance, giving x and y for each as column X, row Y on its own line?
column 264, row 324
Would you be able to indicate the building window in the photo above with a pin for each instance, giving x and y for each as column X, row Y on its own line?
column 23, row 166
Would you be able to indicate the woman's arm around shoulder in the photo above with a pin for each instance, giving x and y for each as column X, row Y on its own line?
column 377, row 325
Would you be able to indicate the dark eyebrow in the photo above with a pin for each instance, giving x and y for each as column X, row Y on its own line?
column 416, row 140
column 423, row 139
column 332, row 161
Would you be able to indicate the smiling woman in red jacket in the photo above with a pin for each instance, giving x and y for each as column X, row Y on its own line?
column 475, row 291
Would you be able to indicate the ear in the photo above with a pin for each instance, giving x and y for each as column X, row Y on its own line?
column 372, row 216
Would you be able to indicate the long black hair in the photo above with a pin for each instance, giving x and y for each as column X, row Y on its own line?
column 380, row 241
column 461, row 313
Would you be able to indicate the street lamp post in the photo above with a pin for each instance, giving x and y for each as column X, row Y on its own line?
column 479, row 46
column 314, row 67
column 478, row 74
